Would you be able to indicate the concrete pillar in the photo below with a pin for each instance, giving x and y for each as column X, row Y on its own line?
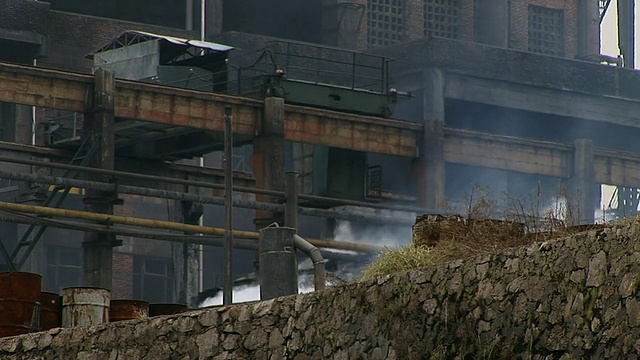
column 588, row 29
column 429, row 167
column 278, row 264
column 581, row 197
column 186, row 257
column 493, row 22
column 99, row 127
column 268, row 157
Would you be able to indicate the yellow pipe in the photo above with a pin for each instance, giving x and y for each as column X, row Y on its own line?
column 169, row 225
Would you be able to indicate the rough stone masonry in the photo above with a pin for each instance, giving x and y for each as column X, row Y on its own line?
column 571, row 298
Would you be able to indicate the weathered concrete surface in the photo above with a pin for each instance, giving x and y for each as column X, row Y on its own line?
column 572, row 298
column 203, row 110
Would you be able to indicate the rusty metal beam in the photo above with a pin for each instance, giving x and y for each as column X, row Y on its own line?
column 204, row 110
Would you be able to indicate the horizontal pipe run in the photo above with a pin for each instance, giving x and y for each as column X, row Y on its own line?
column 238, row 243
column 135, row 190
column 174, row 195
column 131, row 175
column 159, row 224
column 330, row 200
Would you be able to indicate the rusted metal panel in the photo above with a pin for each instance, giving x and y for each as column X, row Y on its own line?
column 19, row 306
column 82, row 306
column 166, row 309
column 128, row 309
column 49, row 310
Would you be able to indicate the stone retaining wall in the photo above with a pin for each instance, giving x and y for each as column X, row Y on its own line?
column 571, row 298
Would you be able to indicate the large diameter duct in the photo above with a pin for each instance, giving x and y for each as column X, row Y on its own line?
column 278, row 264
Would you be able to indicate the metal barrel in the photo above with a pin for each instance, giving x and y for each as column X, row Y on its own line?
column 166, row 309
column 128, row 310
column 84, row 306
column 49, row 310
column 19, row 306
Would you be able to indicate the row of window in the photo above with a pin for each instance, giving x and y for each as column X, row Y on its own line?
column 441, row 18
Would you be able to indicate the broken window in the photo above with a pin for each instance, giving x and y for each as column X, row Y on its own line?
column 546, row 30
column 385, row 21
column 441, row 18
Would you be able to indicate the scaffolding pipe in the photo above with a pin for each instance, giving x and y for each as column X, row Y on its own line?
column 160, row 224
column 319, row 273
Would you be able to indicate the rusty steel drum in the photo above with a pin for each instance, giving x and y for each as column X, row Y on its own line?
column 166, row 309
column 19, row 306
column 84, row 306
column 128, row 310
column 49, row 310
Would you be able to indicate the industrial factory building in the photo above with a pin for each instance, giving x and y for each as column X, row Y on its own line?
column 383, row 108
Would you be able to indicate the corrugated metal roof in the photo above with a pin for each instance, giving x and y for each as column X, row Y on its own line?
column 131, row 37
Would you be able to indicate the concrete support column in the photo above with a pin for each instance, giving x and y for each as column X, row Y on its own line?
column 186, row 257
column 429, row 167
column 268, row 157
column 99, row 127
column 493, row 22
column 581, row 195
column 278, row 264
column 588, row 29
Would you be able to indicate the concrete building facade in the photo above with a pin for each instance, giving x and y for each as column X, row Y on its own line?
column 482, row 73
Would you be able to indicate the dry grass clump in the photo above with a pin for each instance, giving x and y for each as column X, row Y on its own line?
column 438, row 239
column 449, row 239
column 471, row 238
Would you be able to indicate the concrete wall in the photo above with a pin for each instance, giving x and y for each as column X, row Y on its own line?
column 572, row 298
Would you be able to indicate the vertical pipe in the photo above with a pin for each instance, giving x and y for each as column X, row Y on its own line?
column 228, row 204
column 291, row 196
column 203, row 10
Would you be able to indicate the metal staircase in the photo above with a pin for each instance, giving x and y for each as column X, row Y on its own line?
column 56, row 197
